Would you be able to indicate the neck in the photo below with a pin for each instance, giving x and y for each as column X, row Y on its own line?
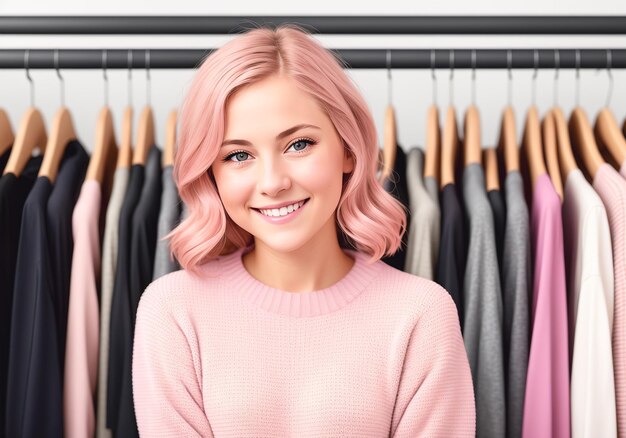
column 316, row 265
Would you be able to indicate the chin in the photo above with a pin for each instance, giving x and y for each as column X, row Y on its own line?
column 285, row 247
column 282, row 245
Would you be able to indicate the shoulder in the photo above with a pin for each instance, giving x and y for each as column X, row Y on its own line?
column 415, row 295
column 180, row 289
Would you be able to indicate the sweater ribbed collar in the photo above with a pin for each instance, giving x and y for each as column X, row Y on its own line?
column 299, row 304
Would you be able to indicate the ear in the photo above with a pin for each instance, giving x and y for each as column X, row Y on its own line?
column 348, row 161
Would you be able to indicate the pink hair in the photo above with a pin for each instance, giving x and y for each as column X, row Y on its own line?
column 370, row 217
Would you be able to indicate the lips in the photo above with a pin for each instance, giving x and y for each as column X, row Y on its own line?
column 279, row 220
column 284, row 205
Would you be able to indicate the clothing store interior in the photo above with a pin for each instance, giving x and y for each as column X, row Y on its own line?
column 503, row 136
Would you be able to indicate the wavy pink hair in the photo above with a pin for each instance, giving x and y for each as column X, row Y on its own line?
column 371, row 220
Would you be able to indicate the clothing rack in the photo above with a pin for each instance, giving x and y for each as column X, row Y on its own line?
column 341, row 25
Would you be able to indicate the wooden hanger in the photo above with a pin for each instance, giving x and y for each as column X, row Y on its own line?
column 585, row 143
column 449, row 144
column 61, row 134
column 31, row 134
column 507, row 144
column 389, row 144
column 431, row 161
column 472, row 146
column 389, row 133
column 105, row 152
column 169, row 150
column 125, row 153
column 531, row 144
column 6, row 132
column 145, row 136
column 492, row 176
column 104, row 146
column 610, row 136
column 550, row 152
column 567, row 161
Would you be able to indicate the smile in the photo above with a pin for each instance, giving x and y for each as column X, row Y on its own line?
column 283, row 214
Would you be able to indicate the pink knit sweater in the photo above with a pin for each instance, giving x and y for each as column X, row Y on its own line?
column 377, row 354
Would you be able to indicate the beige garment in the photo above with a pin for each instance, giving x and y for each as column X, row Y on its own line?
column 423, row 242
column 109, row 262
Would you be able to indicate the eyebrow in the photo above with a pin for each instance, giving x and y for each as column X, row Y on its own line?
column 278, row 137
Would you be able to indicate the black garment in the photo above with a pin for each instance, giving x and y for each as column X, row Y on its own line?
column 396, row 184
column 120, row 332
column 13, row 193
column 142, row 250
column 452, row 246
column 34, row 391
column 4, row 159
column 59, row 213
column 37, row 346
column 498, row 207
column 144, row 230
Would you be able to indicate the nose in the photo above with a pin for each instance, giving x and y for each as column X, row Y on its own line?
column 273, row 177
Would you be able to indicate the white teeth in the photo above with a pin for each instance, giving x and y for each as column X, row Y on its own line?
column 283, row 211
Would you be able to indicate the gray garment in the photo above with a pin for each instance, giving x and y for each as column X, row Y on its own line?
column 169, row 216
column 517, row 284
column 109, row 262
column 482, row 329
column 185, row 212
column 432, row 187
column 423, row 241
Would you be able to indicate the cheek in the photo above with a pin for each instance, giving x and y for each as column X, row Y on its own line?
column 322, row 173
column 233, row 189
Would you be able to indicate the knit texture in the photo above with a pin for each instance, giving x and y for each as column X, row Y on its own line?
column 378, row 353
column 611, row 188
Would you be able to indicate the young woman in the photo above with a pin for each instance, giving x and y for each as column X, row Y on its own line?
column 284, row 321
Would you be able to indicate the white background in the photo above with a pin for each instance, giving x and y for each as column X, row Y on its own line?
column 411, row 89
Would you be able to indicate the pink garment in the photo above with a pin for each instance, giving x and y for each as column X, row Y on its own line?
column 612, row 190
column 379, row 353
column 546, row 403
column 81, row 351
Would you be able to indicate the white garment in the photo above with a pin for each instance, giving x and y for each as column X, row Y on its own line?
column 590, row 285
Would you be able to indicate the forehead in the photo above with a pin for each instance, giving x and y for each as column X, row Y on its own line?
column 271, row 105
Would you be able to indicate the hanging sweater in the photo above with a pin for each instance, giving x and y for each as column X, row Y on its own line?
column 611, row 188
column 591, row 288
column 547, row 398
column 378, row 353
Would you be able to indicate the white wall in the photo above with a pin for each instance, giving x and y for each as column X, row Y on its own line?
column 412, row 89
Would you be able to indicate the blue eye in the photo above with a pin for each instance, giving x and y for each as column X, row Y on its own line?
column 237, row 154
column 242, row 155
column 302, row 140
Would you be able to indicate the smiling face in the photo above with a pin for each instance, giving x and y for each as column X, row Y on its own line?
column 279, row 148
